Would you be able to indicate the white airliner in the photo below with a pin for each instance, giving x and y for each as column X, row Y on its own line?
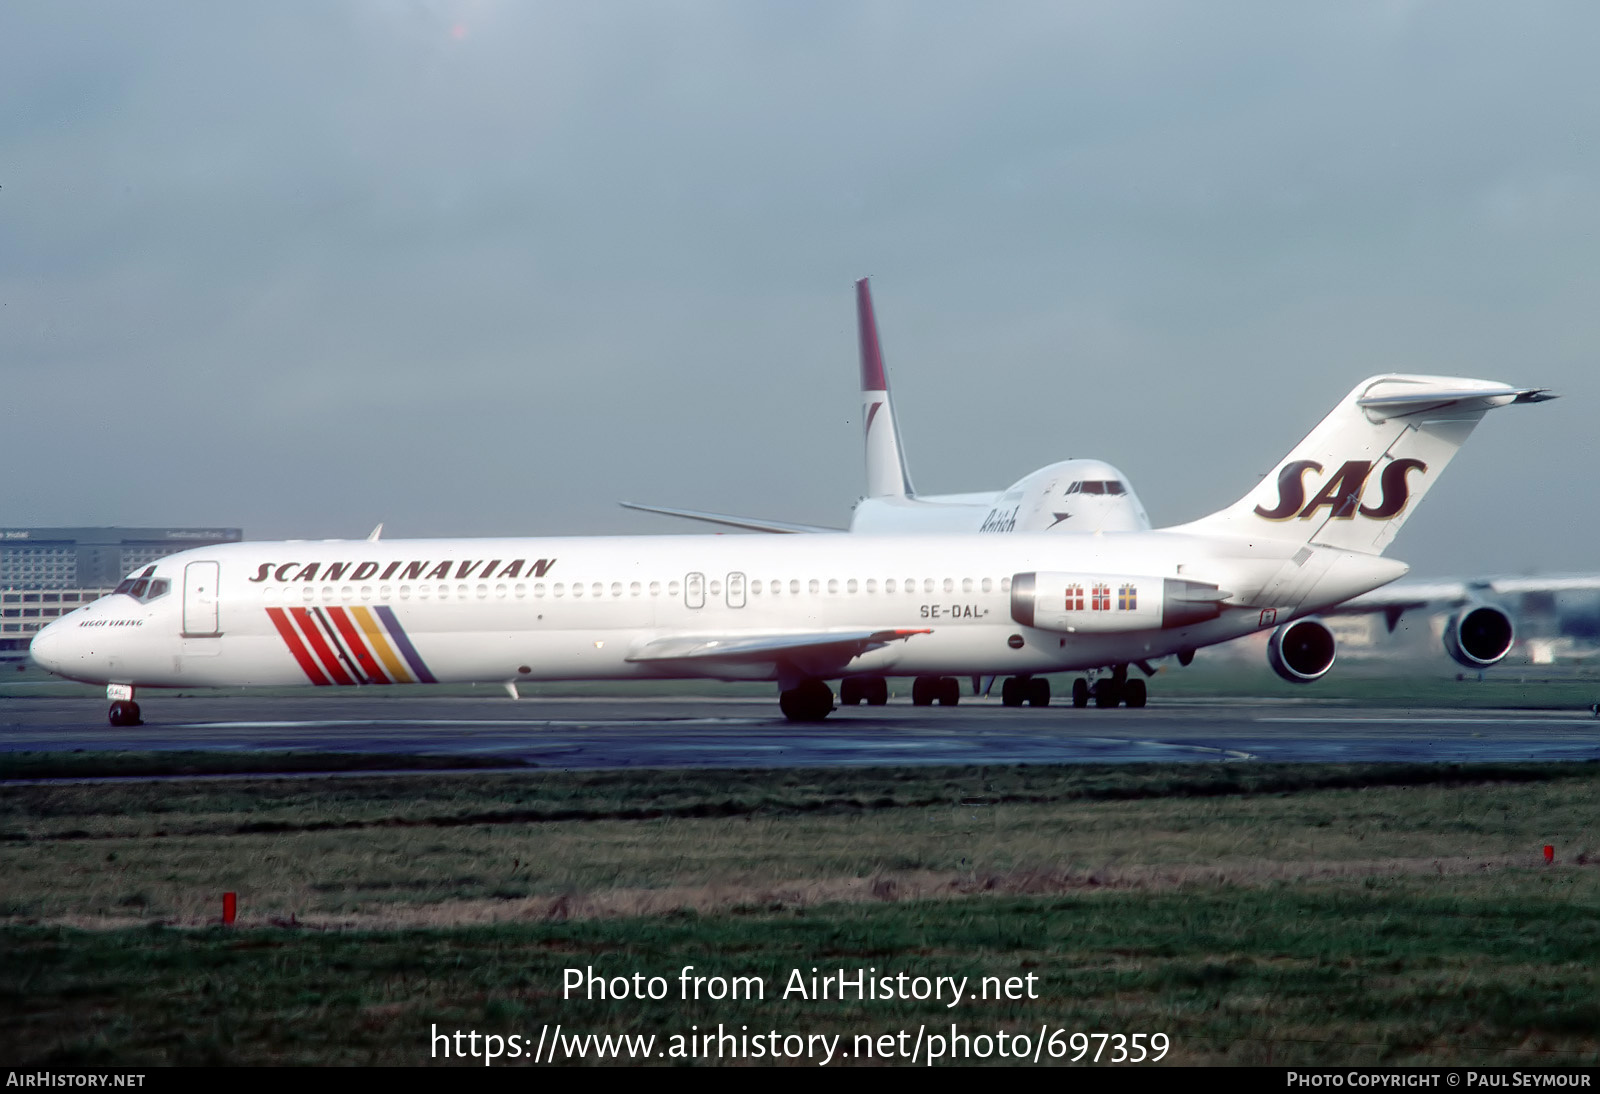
column 1069, row 496
column 799, row 610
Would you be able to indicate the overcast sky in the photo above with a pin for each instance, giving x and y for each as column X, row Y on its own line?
column 487, row 268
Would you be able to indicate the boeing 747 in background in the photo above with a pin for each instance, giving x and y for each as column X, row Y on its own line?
column 797, row 610
column 1069, row 496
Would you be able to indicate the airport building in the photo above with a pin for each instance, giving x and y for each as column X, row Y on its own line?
column 46, row 572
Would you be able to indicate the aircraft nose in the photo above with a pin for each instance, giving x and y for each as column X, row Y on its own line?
column 48, row 648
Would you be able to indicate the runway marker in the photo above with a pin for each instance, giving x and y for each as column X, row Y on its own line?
column 230, row 906
column 1549, row 854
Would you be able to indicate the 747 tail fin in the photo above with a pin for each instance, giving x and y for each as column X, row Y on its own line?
column 886, row 461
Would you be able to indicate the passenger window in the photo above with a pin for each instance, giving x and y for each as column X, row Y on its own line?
column 616, row 588
column 813, row 586
column 927, row 584
column 755, row 588
column 888, row 585
column 850, row 586
column 833, row 585
column 794, row 586
column 966, row 584
column 872, row 585
column 655, row 588
column 988, row 585
column 634, row 589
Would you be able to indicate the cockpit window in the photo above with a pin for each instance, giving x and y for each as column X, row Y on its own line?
column 1096, row 486
column 143, row 587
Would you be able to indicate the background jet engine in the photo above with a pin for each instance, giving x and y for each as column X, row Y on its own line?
column 1301, row 651
column 1477, row 636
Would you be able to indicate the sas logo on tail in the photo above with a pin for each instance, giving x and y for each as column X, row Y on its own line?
column 1341, row 496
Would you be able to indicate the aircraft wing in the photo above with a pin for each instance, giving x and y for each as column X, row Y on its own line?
column 1403, row 596
column 839, row 645
column 749, row 524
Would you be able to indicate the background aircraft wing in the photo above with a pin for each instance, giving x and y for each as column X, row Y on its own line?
column 750, row 524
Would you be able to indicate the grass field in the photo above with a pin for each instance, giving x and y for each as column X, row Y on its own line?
column 1254, row 913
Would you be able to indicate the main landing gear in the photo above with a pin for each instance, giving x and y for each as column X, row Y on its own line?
column 1110, row 690
column 871, row 690
column 808, row 701
column 1033, row 690
column 944, row 690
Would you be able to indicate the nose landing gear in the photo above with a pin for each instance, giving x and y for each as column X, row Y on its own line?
column 125, row 712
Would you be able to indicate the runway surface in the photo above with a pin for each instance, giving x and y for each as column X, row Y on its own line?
column 608, row 733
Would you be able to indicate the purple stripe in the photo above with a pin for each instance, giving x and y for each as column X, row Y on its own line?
column 403, row 644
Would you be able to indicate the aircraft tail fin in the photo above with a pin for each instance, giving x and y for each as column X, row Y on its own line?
column 886, row 462
column 1358, row 475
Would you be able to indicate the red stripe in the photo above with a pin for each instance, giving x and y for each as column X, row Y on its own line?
column 352, row 638
column 296, row 647
column 872, row 378
column 330, row 660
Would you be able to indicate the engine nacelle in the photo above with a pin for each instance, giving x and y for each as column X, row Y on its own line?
column 1110, row 603
column 1301, row 651
column 1478, row 636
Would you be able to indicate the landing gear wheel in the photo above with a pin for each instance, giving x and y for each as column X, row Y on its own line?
column 1106, row 693
column 1133, row 693
column 924, row 690
column 125, row 713
column 850, row 692
column 1014, row 692
column 875, row 691
column 1038, row 692
column 812, row 701
column 1080, row 693
column 949, row 691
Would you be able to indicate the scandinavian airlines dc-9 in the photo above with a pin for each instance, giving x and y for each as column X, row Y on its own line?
column 798, row 610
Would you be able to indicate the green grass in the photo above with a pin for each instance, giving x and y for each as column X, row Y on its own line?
column 1408, row 971
column 1349, row 914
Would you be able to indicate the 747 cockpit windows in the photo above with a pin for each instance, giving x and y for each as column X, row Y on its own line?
column 145, row 587
column 1096, row 486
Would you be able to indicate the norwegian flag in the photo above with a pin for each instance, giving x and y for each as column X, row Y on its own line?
column 1100, row 598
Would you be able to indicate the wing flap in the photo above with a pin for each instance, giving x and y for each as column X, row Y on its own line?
column 767, row 647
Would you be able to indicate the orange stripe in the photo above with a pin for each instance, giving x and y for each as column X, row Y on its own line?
column 385, row 652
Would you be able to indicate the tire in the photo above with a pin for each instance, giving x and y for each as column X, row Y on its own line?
column 876, row 691
column 1106, row 693
column 1012, row 691
column 949, row 691
column 850, row 692
column 924, row 690
column 1080, row 693
column 1039, row 692
column 812, row 701
column 1133, row 693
